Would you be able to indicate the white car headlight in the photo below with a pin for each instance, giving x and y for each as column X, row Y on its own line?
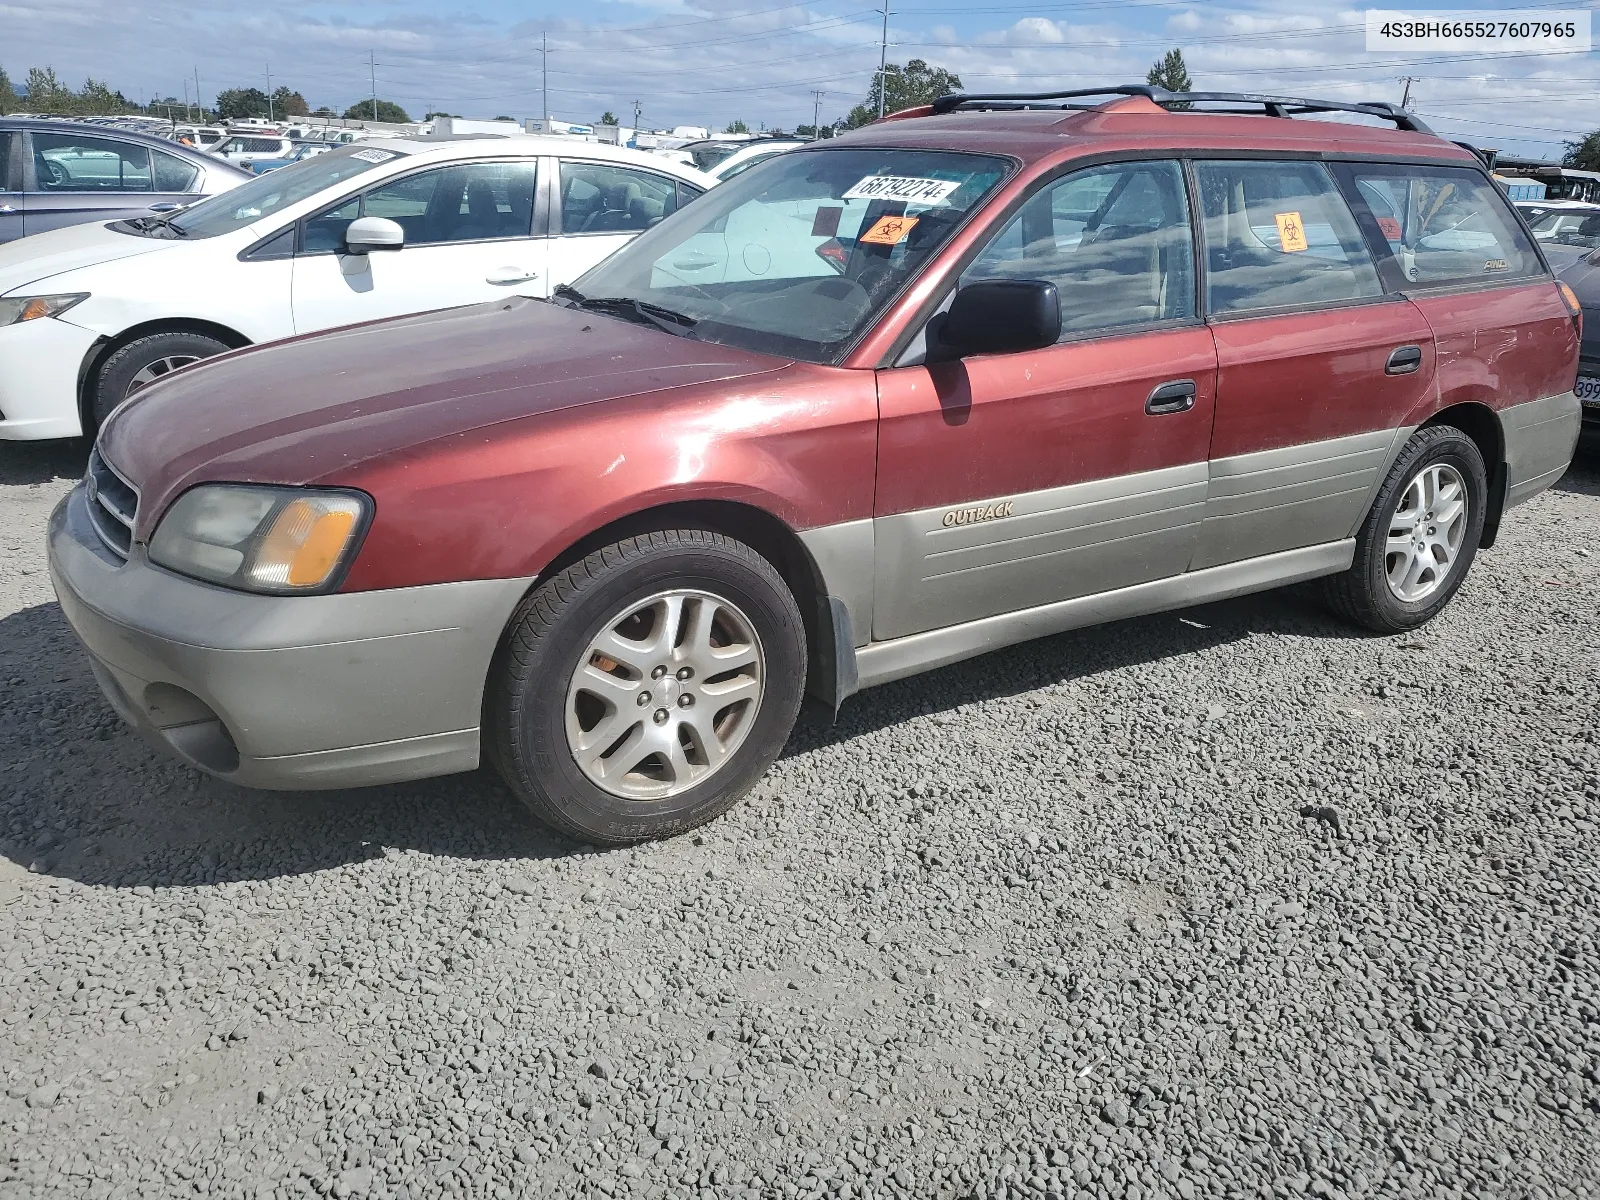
column 16, row 309
column 261, row 539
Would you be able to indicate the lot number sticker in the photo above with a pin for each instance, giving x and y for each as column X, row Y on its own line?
column 890, row 231
column 903, row 187
column 373, row 156
column 1291, row 232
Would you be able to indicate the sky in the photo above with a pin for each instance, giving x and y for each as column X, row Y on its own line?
column 709, row 62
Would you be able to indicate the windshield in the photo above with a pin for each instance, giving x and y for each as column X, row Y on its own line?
column 795, row 257
column 1569, row 228
column 267, row 194
column 708, row 154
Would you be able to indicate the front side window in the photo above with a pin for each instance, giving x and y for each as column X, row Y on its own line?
column 68, row 162
column 276, row 190
column 466, row 202
column 604, row 198
column 1114, row 240
column 798, row 258
column 1445, row 225
column 1280, row 235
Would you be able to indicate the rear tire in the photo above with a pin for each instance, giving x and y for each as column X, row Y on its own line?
column 143, row 361
column 643, row 690
column 1416, row 545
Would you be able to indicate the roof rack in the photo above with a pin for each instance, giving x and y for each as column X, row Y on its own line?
column 1272, row 106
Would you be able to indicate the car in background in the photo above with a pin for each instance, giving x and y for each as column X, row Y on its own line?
column 356, row 234
column 749, row 154
column 243, row 149
column 201, row 137
column 301, row 151
column 56, row 173
column 1582, row 275
column 1567, row 234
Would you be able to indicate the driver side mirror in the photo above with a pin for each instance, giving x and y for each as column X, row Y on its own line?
column 367, row 234
column 1001, row 316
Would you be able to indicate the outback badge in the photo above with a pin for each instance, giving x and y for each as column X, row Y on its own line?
column 979, row 512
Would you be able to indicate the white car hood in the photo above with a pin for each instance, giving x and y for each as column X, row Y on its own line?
column 34, row 259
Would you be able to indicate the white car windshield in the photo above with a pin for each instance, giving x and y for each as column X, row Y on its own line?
column 796, row 256
column 267, row 194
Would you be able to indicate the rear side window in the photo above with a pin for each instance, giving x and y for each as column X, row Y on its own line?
column 70, row 162
column 1280, row 235
column 173, row 174
column 1444, row 225
column 1114, row 240
column 7, row 184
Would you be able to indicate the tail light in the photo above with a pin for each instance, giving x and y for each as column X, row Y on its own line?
column 1574, row 309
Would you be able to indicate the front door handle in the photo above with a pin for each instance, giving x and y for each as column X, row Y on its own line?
column 510, row 275
column 164, row 206
column 1404, row 360
column 1174, row 397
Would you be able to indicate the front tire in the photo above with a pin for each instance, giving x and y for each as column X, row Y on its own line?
column 143, row 361
column 643, row 690
column 1420, row 537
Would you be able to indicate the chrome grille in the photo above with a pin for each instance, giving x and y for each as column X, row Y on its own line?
column 112, row 504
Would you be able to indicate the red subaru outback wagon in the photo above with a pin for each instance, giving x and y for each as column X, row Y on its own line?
column 987, row 370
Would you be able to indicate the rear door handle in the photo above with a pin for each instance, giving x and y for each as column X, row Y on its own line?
column 510, row 275
column 164, row 206
column 1404, row 360
column 1174, row 397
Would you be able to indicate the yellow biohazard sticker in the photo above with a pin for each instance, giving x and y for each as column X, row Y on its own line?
column 890, row 231
column 1291, row 232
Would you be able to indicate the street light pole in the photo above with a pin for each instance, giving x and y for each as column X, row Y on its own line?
column 544, row 76
column 372, row 65
column 883, row 60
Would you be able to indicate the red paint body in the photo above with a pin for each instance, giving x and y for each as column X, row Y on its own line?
column 495, row 437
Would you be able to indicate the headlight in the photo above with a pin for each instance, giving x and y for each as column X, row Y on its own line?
column 261, row 539
column 16, row 309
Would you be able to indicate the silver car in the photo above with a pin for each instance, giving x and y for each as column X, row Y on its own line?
column 55, row 173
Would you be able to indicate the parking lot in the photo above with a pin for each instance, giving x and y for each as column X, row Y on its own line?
column 1233, row 901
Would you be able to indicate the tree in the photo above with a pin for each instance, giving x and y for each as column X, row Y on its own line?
column 903, row 87
column 816, row 132
column 1170, row 72
column 609, row 118
column 736, row 126
column 289, row 104
column 387, row 110
column 1584, row 154
column 237, row 103
column 8, row 95
column 433, row 116
column 46, row 94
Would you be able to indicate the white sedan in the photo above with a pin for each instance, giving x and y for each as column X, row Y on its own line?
column 92, row 313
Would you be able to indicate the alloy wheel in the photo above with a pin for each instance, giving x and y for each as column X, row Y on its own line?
column 161, row 366
column 1426, row 532
column 665, row 694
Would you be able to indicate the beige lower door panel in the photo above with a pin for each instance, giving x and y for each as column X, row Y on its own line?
column 1302, row 495
column 994, row 554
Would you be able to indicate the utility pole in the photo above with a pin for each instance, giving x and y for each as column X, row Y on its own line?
column 197, row 102
column 816, row 116
column 187, row 113
column 637, row 109
column 544, row 76
column 883, row 60
column 372, row 66
column 269, row 92
column 1405, row 98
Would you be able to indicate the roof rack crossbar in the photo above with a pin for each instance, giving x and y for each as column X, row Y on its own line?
column 1273, row 106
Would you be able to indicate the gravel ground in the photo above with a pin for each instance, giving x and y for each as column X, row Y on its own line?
column 1232, row 902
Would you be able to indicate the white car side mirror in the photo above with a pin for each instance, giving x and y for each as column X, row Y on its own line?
column 373, row 233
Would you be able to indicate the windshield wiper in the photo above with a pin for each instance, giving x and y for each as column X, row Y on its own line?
column 565, row 291
column 637, row 311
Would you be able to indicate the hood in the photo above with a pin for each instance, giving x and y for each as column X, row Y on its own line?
column 303, row 410
column 34, row 259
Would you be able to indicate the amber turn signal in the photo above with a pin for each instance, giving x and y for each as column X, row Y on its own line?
column 306, row 542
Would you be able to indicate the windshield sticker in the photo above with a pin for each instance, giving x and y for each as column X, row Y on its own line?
column 903, row 187
column 890, row 231
column 373, row 156
column 826, row 223
column 1291, row 232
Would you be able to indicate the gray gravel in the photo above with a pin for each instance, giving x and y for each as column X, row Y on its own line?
column 1233, row 902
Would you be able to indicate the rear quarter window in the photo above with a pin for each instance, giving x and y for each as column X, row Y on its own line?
column 1444, row 226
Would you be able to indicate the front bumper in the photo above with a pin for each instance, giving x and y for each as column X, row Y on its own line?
column 39, row 365
column 283, row 691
